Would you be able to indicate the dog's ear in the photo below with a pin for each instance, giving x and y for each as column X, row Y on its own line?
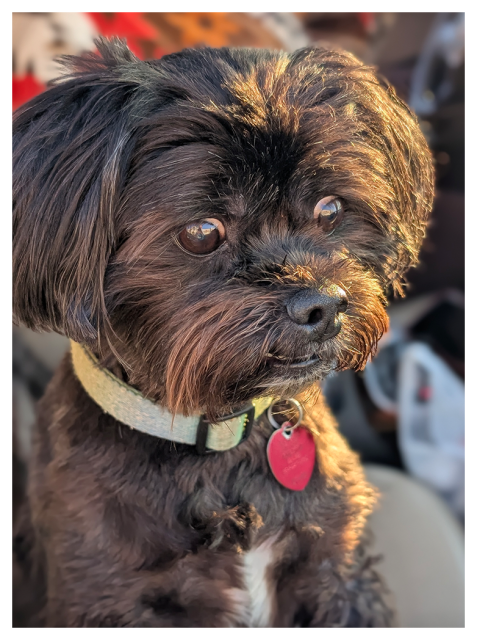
column 71, row 147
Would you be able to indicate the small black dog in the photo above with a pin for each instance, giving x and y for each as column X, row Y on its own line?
column 215, row 228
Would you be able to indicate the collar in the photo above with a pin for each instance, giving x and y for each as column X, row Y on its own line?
column 130, row 407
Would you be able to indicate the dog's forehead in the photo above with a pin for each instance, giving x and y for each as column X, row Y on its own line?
column 233, row 181
column 238, row 162
column 254, row 139
column 242, row 135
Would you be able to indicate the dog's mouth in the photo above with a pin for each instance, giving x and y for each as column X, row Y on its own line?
column 290, row 374
column 303, row 362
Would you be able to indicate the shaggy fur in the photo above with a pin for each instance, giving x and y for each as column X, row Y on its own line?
column 110, row 164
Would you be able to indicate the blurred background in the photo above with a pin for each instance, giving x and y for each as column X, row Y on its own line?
column 407, row 409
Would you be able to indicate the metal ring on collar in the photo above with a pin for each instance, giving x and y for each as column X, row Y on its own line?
column 272, row 420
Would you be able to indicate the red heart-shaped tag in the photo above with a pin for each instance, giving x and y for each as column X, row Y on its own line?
column 291, row 457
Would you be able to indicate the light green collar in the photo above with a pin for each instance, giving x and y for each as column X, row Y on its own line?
column 130, row 407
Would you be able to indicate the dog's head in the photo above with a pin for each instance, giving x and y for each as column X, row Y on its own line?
column 226, row 221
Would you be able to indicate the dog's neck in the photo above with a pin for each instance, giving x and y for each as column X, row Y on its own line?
column 130, row 407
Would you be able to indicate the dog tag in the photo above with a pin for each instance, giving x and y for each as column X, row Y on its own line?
column 291, row 455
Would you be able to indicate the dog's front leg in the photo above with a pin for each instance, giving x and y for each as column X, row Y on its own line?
column 200, row 589
column 199, row 586
column 352, row 595
column 344, row 596
column 317, row 589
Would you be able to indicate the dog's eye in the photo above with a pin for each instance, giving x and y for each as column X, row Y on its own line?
column 329, row 212
column 203, row 237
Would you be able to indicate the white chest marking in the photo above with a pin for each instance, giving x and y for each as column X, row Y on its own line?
column 257, row 582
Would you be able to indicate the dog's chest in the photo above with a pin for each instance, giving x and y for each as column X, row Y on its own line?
column 259, row 587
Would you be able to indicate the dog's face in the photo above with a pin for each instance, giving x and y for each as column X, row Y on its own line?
column 225, row 221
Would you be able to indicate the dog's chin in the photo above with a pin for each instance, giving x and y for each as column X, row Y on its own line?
column 292, row 377
column 283, row 379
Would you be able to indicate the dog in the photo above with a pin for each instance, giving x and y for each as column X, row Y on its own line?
column 215, row 231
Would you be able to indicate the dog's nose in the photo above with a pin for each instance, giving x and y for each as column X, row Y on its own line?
column 317, row 312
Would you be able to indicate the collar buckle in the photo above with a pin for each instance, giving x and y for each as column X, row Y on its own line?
column 204, row 424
